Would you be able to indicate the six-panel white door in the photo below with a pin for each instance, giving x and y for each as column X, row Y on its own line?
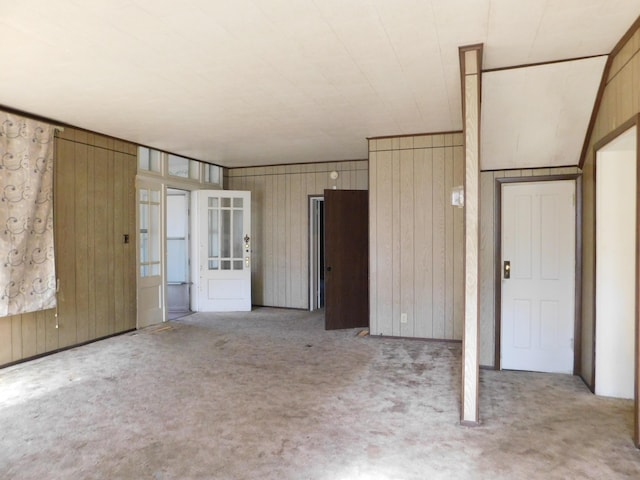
column 538, row 301
column 222, row 235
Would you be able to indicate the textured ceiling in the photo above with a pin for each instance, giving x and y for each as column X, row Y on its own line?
column 250, row 82
column 538, row 116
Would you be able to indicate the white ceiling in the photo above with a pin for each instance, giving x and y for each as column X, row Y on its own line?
column 538, row 116
column 250, row 82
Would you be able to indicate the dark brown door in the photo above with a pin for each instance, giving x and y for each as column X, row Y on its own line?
column 346, row 243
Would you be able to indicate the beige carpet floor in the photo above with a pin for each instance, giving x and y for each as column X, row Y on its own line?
column 271, row 395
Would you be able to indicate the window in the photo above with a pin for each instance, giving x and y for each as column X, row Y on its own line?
column 183, row 167
column 212, row 174
column 179, row 168
column 148, row 159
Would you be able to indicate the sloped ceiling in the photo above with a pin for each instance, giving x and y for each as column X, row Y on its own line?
column 251, row 82
column 538, row 116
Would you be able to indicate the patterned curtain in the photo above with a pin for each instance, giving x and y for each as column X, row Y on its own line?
column 27, row 267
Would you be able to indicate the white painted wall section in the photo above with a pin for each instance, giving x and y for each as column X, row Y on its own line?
column 615, row 266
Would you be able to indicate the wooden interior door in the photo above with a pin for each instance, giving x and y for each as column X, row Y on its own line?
column 538, row 278
column 346, row 242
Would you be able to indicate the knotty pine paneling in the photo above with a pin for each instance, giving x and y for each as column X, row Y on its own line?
column 94, row 206
column 415, row 236
column 620, row 101
column 280, row 223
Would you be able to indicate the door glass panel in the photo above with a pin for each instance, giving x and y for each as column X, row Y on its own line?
column 214, row 244
column 149, row 231
column 237, row 235
column 226, row 233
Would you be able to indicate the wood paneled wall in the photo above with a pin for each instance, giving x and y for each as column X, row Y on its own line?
column 488, row 217
column 280, row 223
column 94, row 206
column 416, row 236
column 620, row 101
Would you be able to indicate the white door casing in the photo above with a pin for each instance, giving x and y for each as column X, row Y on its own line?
column 150, row 295
column 538, row 300
column 222, row 246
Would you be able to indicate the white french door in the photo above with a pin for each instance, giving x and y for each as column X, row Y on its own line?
column 222, row 236
column 538, row 276
column 150, row 269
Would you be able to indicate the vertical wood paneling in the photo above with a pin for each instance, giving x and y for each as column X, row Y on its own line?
column 280, row 238
column 41, row 320
column 384, row 235
column 81, row 242
column 110, row 200
column 396, row 272
column 94, row 205
column 487, row 268
column 373, row 244
column 413, row 246
column 423, row 242
column 16, row 337
column 29, row 335
column 101, row 220
column 458, row 242
column 92, row 284
column 448, row 240
column 407, row 254
column 65, row 242
column 6, row 346
column 439, row 245
column 280, row 275
column 119, row 222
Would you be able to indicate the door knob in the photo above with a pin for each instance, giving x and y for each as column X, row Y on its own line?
column 328, row 269
column 507, row 269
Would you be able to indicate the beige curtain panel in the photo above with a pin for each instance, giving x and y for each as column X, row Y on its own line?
column 27, row 267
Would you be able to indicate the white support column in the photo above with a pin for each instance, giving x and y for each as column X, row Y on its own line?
column 471, row 67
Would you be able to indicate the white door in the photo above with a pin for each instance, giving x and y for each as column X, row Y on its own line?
column 538, row 282
column 222, row 232
column 150, row 273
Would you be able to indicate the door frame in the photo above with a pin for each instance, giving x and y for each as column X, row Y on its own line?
column 577, row 177
column 188, row 281
column 314, row 251
column 634, row 121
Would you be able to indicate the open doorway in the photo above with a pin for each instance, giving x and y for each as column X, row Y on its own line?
column 316, row 252
column 616, row 266
column 178, row 274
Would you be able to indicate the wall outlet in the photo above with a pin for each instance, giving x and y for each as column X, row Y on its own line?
column 403, row 318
